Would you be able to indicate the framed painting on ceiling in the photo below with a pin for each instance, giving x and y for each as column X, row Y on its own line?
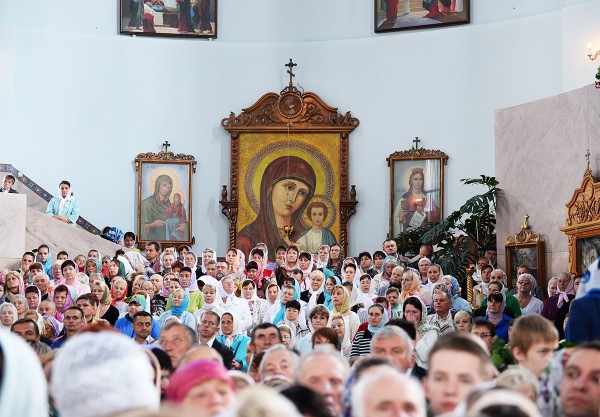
column 164, row 18
column 289, row 173
column 395, row 15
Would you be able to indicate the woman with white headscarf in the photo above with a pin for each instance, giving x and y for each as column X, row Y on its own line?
column 20, row 367
column 230, row 302
column 232, row 336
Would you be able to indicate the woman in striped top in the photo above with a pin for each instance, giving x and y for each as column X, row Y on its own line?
column 361, row 346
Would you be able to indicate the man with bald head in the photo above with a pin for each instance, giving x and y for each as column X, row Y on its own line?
column 384, row 391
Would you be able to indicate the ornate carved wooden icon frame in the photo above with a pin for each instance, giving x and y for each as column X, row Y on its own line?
column 281, row 127
column 583, row 223
column 526, row 247
column 158, row 221
column 406, row 209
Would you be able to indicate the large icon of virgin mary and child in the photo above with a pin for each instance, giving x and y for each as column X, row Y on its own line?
column 286, row 189
column 416, row 207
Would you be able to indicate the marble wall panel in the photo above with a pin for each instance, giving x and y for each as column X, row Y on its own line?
column 539, row 150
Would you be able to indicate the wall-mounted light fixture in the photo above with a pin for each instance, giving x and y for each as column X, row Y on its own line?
column 591, row 56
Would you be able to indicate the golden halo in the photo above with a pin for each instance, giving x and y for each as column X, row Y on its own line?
column 408, row 173
column 176, row 185
column 331, row 212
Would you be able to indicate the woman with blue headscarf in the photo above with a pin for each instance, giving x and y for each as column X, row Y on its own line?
column 329, row 284
column 458, row 303
column 289, row 293
column 361, row 345
column 179, row 303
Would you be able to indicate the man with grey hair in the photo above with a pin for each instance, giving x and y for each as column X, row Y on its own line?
column 325, row 371
column 176, row 340
column 42, row 282
column 278, row 361
column 442, row 318
column 385, row 391
column 393, row 343
column 47, row 307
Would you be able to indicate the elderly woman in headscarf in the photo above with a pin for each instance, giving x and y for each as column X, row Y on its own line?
column 323, row 256
column 415, row 311
column 423, row 266
column 335, row 259
column 101, row 292
column 211, row 302
column 556, row 307
column 118, row 293
column 203, row 386
column 458, row 303
column 8, row 315
column 179, row 303
column 64, row 296
column 382, row 279
column 93, row 266
column 361, row 345
column 496, row 302
column 411, row 286
column 51, row 328
column 232, row 336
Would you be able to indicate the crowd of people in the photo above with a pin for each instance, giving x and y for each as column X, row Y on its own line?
column 157, row 327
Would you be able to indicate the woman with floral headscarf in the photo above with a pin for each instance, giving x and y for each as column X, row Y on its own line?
column 232, row 336
column 64, row 296
column 335, row 260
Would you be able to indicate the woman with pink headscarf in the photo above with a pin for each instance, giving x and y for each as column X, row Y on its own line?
column 203, row 386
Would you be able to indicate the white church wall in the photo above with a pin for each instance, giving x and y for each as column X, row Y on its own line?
column 86, row 101
column 580, row 27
